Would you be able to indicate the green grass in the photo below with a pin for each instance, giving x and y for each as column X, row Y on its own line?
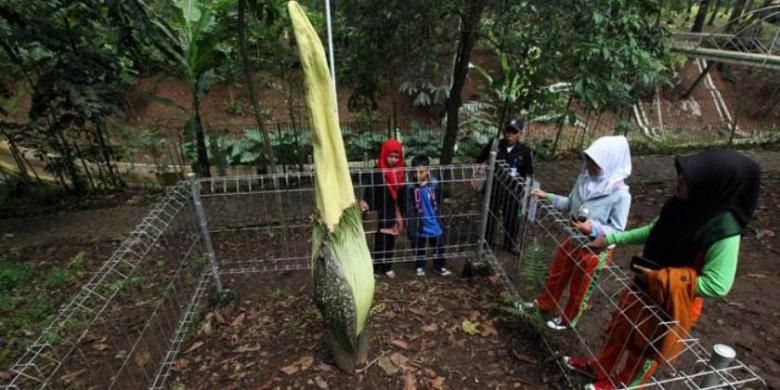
column 28, row 300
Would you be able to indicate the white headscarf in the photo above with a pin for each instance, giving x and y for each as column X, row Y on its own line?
column 613, row 156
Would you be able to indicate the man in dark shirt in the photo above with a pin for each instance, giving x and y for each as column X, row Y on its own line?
column 513, row 161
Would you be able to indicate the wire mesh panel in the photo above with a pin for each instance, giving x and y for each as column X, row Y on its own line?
column 617, row 311
column 118, row 329
column 263, row 223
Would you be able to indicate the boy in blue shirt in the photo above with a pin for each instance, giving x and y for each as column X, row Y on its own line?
column 422, row 212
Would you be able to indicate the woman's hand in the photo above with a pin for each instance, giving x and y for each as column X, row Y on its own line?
column 599, row 243
column 363, row 206
column 539, row 193
column 584, row 227
column 478, row 177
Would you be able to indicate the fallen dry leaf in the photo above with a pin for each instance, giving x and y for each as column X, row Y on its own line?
column 100, row 347
column 430, row 328
column 291, row 369
column 5, row 375
column 194, row 346
column 473, row 315
column 410, row 382
column 387, row 365
column 437, row 383
column 399, row 360
column 306, row 362
column 430, row 373
column 488, row 329
column 245, row 348
column 400, row 344
column 142, row 358
column 219, row 317
column 238, row 320
column 320, row 382
column 180, row 364
column 67, row 378
column 469, row 327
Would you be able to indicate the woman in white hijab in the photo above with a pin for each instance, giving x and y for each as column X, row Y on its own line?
column 598, row 204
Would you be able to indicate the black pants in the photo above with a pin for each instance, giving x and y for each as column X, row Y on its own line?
column 504, row 202
column 434, row 242
column 384, row 244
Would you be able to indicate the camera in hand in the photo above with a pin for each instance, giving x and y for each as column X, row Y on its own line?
column 582, row 215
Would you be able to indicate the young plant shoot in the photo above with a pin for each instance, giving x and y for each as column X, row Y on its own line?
column 340, row 262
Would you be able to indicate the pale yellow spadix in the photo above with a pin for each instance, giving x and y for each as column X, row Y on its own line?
column 330, row 159
column 341, row 263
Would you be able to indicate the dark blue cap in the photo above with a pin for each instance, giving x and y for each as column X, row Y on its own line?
column 514, row 126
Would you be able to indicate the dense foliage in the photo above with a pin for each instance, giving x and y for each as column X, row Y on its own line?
column 66, row 67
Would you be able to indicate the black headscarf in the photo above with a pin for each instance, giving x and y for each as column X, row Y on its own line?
column 718, row 181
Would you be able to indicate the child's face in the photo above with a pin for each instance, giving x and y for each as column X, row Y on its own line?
column 422, row 173
column 591, row 166
column 392, row 159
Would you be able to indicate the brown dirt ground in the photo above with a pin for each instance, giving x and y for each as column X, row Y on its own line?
column 272, row 339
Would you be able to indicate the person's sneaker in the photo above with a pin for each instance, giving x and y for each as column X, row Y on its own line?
column 580, row 365
column 557, row 324
column 600, row 385
column 390, row 274
column 444, row 272
column 420, row 272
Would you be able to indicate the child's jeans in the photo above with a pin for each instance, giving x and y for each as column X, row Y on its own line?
column 421, row 243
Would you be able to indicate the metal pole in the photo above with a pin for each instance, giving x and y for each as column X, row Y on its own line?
column 330, row 49
column 491, row 170
column 204, row 230
column 722, row 355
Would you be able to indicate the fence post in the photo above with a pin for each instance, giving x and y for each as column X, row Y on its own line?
column 722, row 355
column 491, row 171
column 204, row 230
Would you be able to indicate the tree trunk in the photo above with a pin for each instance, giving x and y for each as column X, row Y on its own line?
column 203, row 168
column 701, row 16
column 468, row 37
column 105, row 151
column 736, row 13
column 250, row 85
column 560, row 125
column 714, row 14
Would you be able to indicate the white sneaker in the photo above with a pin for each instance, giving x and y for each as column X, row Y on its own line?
column 444, row 272
column 556, row 324
column 390, row 274
column 420, row 272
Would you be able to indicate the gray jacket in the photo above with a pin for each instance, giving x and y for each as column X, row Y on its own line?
column 608, row 213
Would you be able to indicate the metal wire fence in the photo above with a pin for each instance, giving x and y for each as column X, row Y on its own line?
column 127, row 325
column 614, row 297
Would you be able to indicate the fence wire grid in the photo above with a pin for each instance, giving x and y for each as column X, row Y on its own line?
column 128, row 323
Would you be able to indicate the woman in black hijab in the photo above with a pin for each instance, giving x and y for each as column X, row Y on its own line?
column 699, row 230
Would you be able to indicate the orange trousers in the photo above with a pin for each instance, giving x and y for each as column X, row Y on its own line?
column 574, row 267
column 624, row 342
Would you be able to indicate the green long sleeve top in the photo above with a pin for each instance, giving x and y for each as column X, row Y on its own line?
column 720, row 262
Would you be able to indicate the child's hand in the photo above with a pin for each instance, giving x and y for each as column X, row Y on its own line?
column 599, row 243
column 363, row 206
column 584, row 227
column 539, row 193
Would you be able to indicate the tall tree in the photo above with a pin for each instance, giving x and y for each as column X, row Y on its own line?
column 250, row 85
column 190, row 39
column 469, row 32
